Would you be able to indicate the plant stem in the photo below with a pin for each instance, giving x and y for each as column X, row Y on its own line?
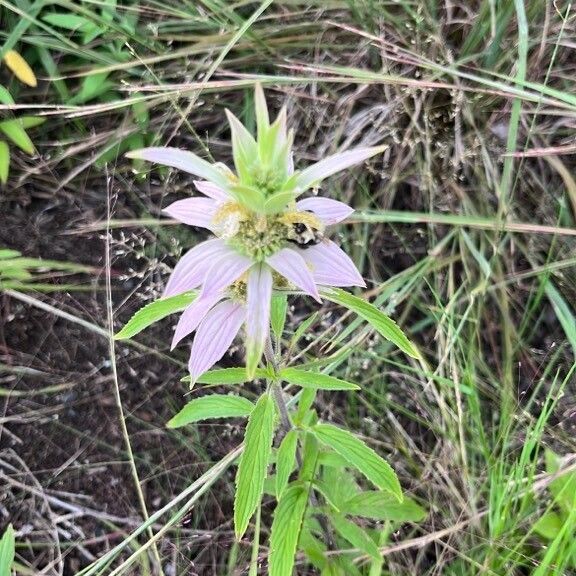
column 285, row 421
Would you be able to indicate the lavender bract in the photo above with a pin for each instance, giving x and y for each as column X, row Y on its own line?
column 266, row 239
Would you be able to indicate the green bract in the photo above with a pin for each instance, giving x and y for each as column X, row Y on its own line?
column 265, row 181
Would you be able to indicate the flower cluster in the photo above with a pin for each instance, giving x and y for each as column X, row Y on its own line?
column 266, row 239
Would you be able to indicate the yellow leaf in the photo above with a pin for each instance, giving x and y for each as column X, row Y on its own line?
column 20, row 68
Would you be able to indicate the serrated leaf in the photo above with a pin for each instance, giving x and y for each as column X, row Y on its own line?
column 278, row 314
column 360, row 456
column 315, row 380
column 285, row 461
column 154, row 312
column 20, row 68
column 14, row 130
column 212, row 406
column 7, row 551
column 379, row 505
column 285, row 531
column 549, row 525
column 4, row 161
column 384, row 325
column 228, row 376
column 355, row 535
column 253, row 465
column 339, row 482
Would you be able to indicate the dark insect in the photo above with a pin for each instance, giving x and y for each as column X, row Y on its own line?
column 304, row 235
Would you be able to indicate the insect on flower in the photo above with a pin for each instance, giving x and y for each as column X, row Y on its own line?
column 266, row 239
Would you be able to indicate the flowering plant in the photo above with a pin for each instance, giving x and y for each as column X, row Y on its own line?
column 270, row 243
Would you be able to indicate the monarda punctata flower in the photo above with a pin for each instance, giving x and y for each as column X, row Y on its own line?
column 266, row 239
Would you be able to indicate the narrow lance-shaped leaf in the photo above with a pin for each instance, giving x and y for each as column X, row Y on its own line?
column 278, row 314
column 380, row 505
column 333, row 164
column 14, row 130
column 4, row 161
column 7, row 551
column 31, row 121
column 355, row 535
column 385, row 326
column 253, row 463
column 285, row 531
column 285, row 461
column 360, row 456
column 212, row 406
column 154, row 312
column 228, row 376
column 5, row 96
column 315, row 380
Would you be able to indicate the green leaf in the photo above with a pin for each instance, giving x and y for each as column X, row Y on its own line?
column 91, row 88
column 7, row 551
column 5, row 96
column 310, row 452
column 285, row 461
column 253, row 463
column 315, row 380
column 278, row 314
column 285, row 531
column 385, row 326
column 6, row 253
column 363, row 458
column 383, row 506
column 355, row 535
column 549, row 525
column 228, row 376
column 4, row 161
column 31, row 121
column 68, row 21
column 563, row 488
column 307, row 397
column 212, row 406
column 153, row 312
column 14, row 131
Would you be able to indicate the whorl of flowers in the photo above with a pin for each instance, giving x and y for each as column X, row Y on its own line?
column 266, row 239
